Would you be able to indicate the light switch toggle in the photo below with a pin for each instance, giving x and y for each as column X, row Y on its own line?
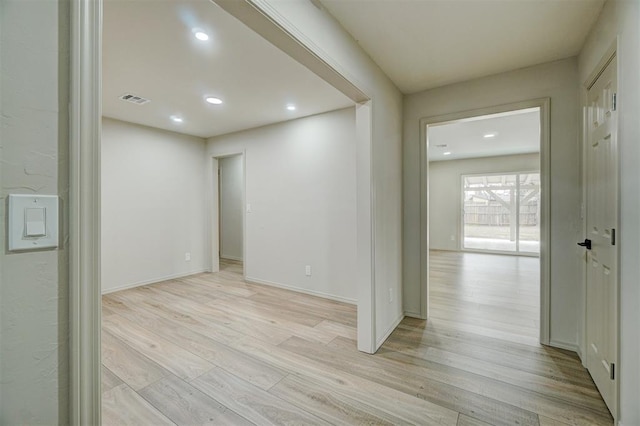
column 35, row 220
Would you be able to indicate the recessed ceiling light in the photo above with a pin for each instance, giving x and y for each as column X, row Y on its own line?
column 213, row 100
column 176, row 119
column 201, row 36
column 291, row 107
column 446, row 153
column 490, row 135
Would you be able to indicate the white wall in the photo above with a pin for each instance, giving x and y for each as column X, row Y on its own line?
column 300, row 183
column 153, row 205
column 558, row 81
column 380, row 194
column 622, row 19
column 34, row 314
column 231, row 210
column 445, row 192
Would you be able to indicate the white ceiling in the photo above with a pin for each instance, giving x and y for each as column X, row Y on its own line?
column 421, row 44
column 516, row 132
column 149, row 50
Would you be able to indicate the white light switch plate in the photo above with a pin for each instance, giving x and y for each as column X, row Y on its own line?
column 18, row 212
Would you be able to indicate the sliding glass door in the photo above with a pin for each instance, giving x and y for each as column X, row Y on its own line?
column 501, row 212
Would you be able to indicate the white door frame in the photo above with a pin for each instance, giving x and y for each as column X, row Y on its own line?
column 84, row 199
column 545, row 211
column 84, row 211
column 213, row 218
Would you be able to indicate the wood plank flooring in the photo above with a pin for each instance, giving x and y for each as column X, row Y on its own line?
column 487, row 294
column 213, row 349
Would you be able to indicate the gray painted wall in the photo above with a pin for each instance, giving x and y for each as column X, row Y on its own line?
column 152, row 207
column 301, row 185
column 34, row 351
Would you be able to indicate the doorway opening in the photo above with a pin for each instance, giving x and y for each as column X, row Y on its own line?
column 229, row 221
column 486, row 203
column 87, row 96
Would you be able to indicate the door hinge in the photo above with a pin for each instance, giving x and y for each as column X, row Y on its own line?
column 612, row 371
column 614, row 102
column 613, row 236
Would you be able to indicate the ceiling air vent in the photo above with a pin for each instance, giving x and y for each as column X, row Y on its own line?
column 128, row 97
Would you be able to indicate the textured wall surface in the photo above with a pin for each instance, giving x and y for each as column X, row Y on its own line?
column 34, row 288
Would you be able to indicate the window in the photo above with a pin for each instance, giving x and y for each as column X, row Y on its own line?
column 501, row 212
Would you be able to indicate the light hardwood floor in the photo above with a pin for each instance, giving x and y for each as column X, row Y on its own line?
column 212, row 349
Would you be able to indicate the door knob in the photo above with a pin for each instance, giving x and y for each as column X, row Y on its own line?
column 586, row 243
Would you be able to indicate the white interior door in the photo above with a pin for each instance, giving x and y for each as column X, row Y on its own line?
column 602, row 224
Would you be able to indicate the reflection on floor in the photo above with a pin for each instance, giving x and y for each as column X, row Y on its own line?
column 213, row 349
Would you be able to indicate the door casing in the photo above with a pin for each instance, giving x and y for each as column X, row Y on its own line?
column 545, row 212
column 214, row 209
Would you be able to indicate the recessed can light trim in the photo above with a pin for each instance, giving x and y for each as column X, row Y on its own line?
column 213, row 100
column 201, row 35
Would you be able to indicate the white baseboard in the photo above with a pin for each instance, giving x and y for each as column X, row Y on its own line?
column 579, row 352
column 387, row 333
column 153, row 281
column 413, row 315
column 303, row 290
column 563, row 345
column 225, row 257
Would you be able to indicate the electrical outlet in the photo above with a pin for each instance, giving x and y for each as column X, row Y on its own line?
column 390, row 295
column 187, row 257
column 307, row 270
column 453, row 238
